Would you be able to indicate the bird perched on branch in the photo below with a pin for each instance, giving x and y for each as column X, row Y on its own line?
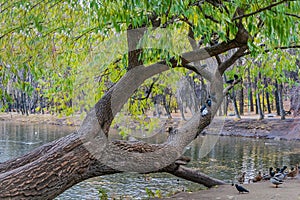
column 203, row 109
column 241, row 189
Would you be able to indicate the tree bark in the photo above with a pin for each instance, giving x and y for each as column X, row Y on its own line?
column 276, row 94
column 241, row 99
column 234, row 103
column 280, row 101
column 258, row 103
column 250, row 95
column 267, row 96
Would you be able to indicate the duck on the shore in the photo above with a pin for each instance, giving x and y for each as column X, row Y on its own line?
column 281, row 174
column 241, row 179
column 276, row 181
column 258, row 177
column 294, row 172
column 241, row 189
column 283, row 169
column 270, row 175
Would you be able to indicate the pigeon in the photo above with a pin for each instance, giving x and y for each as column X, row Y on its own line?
column 241, row 189
column 203, row 109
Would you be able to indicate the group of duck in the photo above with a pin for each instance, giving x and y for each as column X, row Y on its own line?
column 276, row 177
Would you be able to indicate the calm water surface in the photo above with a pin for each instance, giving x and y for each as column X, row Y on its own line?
column 228, row 158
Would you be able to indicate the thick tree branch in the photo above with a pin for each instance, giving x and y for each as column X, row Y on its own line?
column 238, row 54
column 196, row 176
column 134, row 37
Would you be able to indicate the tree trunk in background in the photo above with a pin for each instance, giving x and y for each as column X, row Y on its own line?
column 267, row 96
column 250, row 95
column 263, row 100
column 258, row 103
column 255, row 98
column 276, row 98
column 280, row 101
column 233, row 99
column 241, row 99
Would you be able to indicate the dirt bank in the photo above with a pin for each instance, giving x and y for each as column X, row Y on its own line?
column 288, row 129
column 41, row 119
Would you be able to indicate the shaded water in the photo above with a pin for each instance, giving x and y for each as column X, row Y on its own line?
column 229, row 157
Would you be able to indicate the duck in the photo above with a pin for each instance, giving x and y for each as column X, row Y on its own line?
column 270, row 175
column 241, row 189
column 294, row 172
column 276, row 181
column 283, row 169
column 258, row 177
column 281, row 175
column 241, row 179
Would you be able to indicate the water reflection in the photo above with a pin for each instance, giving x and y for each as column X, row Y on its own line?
column 234, row 155
column 19, row 138
column 229, row 157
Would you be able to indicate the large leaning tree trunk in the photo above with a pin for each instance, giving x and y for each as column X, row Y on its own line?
column 49, row 170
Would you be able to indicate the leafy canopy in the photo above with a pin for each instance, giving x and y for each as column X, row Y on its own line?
column 58, row 45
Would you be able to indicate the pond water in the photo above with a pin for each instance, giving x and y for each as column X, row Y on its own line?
column 229, row 157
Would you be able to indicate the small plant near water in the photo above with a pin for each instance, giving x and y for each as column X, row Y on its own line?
column 152, row 194
column 102, row 193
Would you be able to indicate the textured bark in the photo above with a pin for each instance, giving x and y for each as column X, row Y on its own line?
column 191, row 175
column 280, row 101
column 235, row 107
column 267, row 96
column 240, row 95
column 276, row 94
column 250, row 95
column 259, row 110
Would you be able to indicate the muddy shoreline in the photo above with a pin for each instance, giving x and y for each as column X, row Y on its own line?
column 288, row 129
